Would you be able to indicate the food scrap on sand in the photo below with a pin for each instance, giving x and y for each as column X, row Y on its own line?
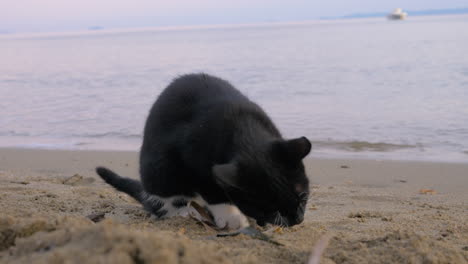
column 427, row 191
column 278, row 230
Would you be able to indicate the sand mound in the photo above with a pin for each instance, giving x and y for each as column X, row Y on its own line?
column 80, row 241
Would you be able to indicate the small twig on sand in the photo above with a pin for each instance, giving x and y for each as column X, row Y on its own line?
column 318, row 249
column 252, row 232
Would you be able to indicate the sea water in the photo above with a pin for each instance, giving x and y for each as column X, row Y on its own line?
column 357, row 88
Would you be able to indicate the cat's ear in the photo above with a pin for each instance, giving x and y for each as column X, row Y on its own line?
column 226, row 174
column 292, row 150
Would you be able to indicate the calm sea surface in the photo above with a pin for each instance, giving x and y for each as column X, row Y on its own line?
column 361, row 88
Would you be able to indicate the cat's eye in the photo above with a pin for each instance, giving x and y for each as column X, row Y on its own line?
column 300, row 188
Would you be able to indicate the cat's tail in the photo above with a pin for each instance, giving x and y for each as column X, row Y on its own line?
column 129, row 186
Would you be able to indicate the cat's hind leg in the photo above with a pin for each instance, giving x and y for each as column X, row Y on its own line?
column 165, row 207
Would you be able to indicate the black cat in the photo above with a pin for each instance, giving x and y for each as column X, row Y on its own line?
column 205, row 141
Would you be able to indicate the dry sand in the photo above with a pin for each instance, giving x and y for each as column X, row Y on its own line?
column 54, row 209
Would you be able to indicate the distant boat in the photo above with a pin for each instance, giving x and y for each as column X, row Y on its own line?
column 397, row 14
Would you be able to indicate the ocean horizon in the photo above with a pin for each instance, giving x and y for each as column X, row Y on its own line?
column 367, row 88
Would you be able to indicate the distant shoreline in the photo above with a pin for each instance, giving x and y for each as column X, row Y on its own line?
column 99, row 29
column 427, row 12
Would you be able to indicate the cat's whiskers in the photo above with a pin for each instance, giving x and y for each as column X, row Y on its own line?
column 282, row 222
column 277, row 219
column 302, row 208
column 303, row 196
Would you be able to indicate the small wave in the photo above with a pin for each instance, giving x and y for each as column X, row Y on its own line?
column 12, row 133
column 107, row 135
column 359, row 146
column 45, row 145
column 82, row 144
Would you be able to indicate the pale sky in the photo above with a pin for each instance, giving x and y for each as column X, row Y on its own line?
column 58, row 15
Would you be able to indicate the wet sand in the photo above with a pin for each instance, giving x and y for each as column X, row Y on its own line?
column 55, row 209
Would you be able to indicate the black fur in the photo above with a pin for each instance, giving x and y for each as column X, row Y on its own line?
column 130, row 186
column 204, row 137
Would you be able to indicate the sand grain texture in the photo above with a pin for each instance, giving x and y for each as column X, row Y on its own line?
column 55, row 209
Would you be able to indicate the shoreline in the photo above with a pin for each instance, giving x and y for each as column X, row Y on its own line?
column 54, row 207
column 321, row 169
column 354, row 150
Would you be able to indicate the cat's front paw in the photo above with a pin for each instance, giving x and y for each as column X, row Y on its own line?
column 227, row 216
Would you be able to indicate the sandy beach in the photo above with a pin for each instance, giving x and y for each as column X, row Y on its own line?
column 55, row 209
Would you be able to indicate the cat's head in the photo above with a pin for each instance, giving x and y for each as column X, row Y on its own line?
column 271, row 185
